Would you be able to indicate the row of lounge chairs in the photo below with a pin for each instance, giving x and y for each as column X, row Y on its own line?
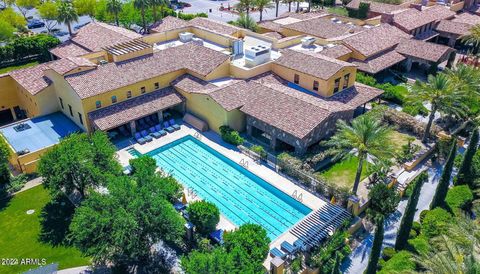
column 156, row 131
column 287, row 249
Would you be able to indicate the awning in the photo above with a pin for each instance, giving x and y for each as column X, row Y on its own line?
column 133, row 109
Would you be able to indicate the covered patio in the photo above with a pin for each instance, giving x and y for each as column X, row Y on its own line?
column 137, row 114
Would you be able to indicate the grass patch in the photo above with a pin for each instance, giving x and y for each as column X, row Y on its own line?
column 343, row 173
column 39, row 235
column 338, row 11
column 7, row 69
column 398, row 140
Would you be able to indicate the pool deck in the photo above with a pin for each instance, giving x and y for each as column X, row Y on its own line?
column 214, row 141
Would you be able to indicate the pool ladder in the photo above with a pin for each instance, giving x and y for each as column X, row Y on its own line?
column 244, row 163
column 191, row 192
column 197, row 135
column 297, row 197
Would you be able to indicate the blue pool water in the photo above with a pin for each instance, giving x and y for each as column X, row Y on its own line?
column 240, row 195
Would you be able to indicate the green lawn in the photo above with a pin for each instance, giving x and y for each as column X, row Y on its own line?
column 23, row 236
column 338, row 11
column 398, row 140
column 343, row 173
column 7, row 69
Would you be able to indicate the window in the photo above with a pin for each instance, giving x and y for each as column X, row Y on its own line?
column 98, row 104
column 157, row 85
column 70, row 109
column 296, row 78
column 142, row 90
column 129, row 94
column 336, row 86
column 80, row 118
column 346, row 78
column 114, row 99
column 61, row 102
column 315, row 85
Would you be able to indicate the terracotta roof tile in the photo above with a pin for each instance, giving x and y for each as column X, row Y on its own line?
column 111, row 76
column 169, row 23
column 32, row 79
column 216, row 26
column 313, row 64
column 336, row 51
column 453, row 27
column 67, row 49
column 192, row 84
column 323, row 28
column 132, row 109
column 423, row 50
column 270, row 25
column 68, row 64
column 467, row 18
column 97, row 35
column 378, row 63
column 377, row 7
column 412, row 18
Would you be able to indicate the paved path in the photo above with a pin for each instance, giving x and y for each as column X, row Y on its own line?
column 358, row 260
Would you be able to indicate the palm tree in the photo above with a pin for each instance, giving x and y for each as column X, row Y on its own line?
column 246, row 22
column 473, row 38
column 439, row 92
column 289, row 2
column 245, row 6
column 262, row 5
column 67, row 14
column 142, row 5
column 365, row 135
column 155, row 4
column 114, row 7
column 277, row 3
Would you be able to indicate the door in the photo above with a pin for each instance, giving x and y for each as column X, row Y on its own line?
column 6, row 117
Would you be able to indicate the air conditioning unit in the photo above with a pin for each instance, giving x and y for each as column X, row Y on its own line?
column 308, row 41
column 185, row 36
column 197, row 41
column 256, row 55
column 103, row 62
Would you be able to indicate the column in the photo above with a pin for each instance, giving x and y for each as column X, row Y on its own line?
column 160, row 116
column 133, row 127
column 273, row 142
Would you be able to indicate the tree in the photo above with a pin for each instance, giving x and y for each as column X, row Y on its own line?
column 121, row 227
column 444, row 183
column 408, row 217
column 262, row 5
column 142, row 5
column 439, row 92
column 67, row 14
column 376, row 248
column 6, row 31
column 4, row 155
column 365, row 135
column 204, row 215
column 473, row 38
column 49, row 13
column 114, row 7
column 11, row 17
column 25, row 5
column 77, row 163
column 246, row 22
column 244, row 6
column 277, row 3
column 155, row 4
column 336, row 266
column 289, row 2
column 86, row 7
column 383, row 201
column 215, row 261
column 465, row 172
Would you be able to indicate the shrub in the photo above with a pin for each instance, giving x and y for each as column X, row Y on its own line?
column 17, row 183
column 395, row 94
column 204, row 215
column 260, row 151
column 366, row 79
column 419, row 245
column 423, row 214
column 388, row 253
column 459, row 197
column 436, row 222
column 417, row 227
column 415, row 109
column 412, row 234
column 4, row 155
column 400, row 263
column 230, row 136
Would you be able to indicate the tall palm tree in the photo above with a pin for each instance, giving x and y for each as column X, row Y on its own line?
column 155, row 4
column 442, row 96
column 289, row 2
column 114, row 7
column 67, row 14
column 244, row 6
column 262, row 5
column 142, row 5
column 365, row 135
column 277, row 3
column 473, row 38
column 246, row 22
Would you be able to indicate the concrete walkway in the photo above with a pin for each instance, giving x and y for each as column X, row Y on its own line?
column 30, row 184
column 357, row 261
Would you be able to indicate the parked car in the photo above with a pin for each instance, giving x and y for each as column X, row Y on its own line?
column 35, row 24
column 77, row 27
column 60, row 33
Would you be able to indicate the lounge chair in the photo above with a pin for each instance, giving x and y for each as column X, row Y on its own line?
column 289, row 248
column 155, row 133
column 159, row 129
column 173, row 124
column 140, row 139
column 275, row 252
column 168, row 128
column 145, row 135
column 149, row 121
column 142, row 124
column 299, row 245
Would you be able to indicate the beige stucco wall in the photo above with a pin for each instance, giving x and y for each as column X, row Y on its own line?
column 46, row 102
column 8, row 94
column 244, row 73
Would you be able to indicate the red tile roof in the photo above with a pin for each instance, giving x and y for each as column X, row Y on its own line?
column 135, row 108
column 212, row 25
column 68, row 64
column 423, row 50
column 336, row 51
column 378, row 63
column 467, row 18
column 450, row 26
column 190, row 56
column 412, row 18
column 314, row 64
column 32, row 79
column 67, row 49
column 192, row 84
column 377, row 7
column 169, row 23
column 323, row 28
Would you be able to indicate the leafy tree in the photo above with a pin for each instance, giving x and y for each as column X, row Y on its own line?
column 408, row 217
column 4, row 155
column 435, row 222
column 49, row 13
column 215, row 261
column 383, row 201
column 204, row 215
column 25, row 5
column 6, row 31
column 473, row 38
column 121, row 227
column 401, row 262
column 465, row 172
column 261, row 5
column 85, row 7
column 439, row 92
column 155, row 4
column 365, row 135
column 114, row 7
column 142, row 5
column 246, row 22
column 444, row 183
column 324, row 257
column 376, row 248
column 77, row 163
column 67, row 14
column 244, row 6
column 459, row 197
column 11, row 17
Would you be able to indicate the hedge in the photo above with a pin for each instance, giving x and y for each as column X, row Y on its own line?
column 231, row 136
column 400, row 262
column 459, row 197
column 436, row 222
column 16, row 51
column 419, row 245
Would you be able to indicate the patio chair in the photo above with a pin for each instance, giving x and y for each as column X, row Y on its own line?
column 139, row 138
column 159, row 129
column 289, row 248
column 275, row 252
column 155, row 133
column 142, row 124
column 145, row 135
column 173, row 124
column 149, row 121
column 299, row 245
column 168, row 128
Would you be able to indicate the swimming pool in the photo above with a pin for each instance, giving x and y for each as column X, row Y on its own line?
column 240, row 195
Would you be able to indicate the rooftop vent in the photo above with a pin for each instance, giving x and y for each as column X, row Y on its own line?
column 103, row 62
column 308, row 41
column 256, row 55
column 21, row 127
column 185, row 36
column 197, row 41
